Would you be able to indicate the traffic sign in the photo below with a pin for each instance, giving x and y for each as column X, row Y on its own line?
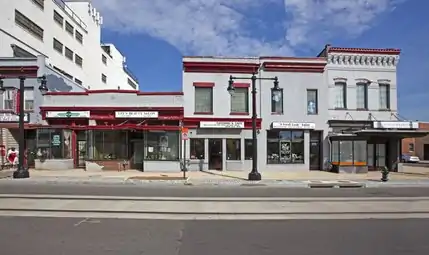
column 185, row 133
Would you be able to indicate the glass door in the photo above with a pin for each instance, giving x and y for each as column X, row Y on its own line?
column 215, row 154
column 380, row 154
column 315, row 150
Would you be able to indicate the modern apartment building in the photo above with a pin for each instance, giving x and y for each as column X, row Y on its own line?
column 68, row 34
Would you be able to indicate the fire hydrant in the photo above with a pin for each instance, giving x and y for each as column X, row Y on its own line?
column 385, row 174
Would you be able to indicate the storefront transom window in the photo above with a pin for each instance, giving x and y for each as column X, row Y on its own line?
column 285, row 147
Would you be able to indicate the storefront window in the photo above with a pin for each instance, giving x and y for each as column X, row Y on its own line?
column 285, row 147
column 162, row 145
column 248, row 149
column 110, row 145
column 349, row 152
column 54, row 143
column 233, row 149
column 197, row 148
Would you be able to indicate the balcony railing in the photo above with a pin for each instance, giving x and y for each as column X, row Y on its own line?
column 70, row 12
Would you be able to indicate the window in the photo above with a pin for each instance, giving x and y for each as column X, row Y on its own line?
column 39, row 3
column 162, row 145
column 132, row 84
column 29, row 99
column 54, row 143
column 78, row 60
column 277, row 101
column 104, row 59
column 78, row 81
column 312, row 102
column 58, row 19
column 19, row 52
column 384, row 90
column 28, row 25
column 349, row 152
column 248, row 149
column 58, row 46
column 79, row 37
column 233, row 149
column 103, row 78
column 285, row 147
column 110, row 145
column 362, row 96
column 69, row 28
column 340, row 95
column 240, row 101
column 69, row 54
column 197, row 148
column 411, row 147
column 9, row 98
column 61, row 71
column 203, row 100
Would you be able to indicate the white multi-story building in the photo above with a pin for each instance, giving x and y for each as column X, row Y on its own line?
column 68, row 34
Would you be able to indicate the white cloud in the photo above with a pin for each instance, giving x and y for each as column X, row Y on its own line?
column 220, row 27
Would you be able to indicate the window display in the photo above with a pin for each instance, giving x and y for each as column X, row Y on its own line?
column 233, row 149
column 285, row 147
column 197, row 148
column 349, row 152
column 110, row 145
column 162, row 145
column 54, row 143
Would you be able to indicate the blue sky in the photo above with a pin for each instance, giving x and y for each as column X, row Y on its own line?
column 155, row 34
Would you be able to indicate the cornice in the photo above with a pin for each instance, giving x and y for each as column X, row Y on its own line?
column 356, row 60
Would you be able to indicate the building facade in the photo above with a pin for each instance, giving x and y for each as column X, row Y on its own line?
column 417, row 146
column 67, row 34
column 338, row 109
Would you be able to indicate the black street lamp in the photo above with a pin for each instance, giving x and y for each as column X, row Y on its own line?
column 22, row 171
column 254, row 175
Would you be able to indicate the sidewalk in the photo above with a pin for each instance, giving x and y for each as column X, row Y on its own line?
column 271, row 178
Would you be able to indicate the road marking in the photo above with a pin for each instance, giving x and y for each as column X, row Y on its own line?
column 80, row 222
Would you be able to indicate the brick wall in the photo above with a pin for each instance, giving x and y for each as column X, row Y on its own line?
column 416, row 143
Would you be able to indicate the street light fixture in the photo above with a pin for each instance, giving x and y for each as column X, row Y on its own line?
column 22, row 171
column 254, row 175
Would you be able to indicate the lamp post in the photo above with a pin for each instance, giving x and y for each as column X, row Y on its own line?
column 22, row 171
column 254, row 175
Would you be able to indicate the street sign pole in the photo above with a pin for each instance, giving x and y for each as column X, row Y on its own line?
column 184, row 138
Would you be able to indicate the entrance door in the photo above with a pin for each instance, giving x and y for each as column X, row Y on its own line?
column 376, row 155
column 215, row 154
column 137, row 155
column 425, row 151
column 315, row 150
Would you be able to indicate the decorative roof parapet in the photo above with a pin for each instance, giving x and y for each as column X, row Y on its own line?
column 353, row 59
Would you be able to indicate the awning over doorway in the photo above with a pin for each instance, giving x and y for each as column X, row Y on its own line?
column 392, row 133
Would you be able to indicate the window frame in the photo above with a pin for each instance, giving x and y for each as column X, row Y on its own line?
column 344, row 95
column 28, row 99
column 10, row 102
column 209, row 91
column 58, row 18
column 54, row 46
column 233, row 155
column 270, row 158
column 387, row 86
column 78, row 36
column 69, row 51
column 119, row 148
column 248, row 149
column 65, row 134
column 245, row 91
column 192, row 146
column 316, row 111
column 104, row 59
column 169, row 134
column 39, row 3
column 365, row 87
column 28, row 25
column 78, row 81
column 69, row 28
column 336, row 158
column 78, row 60
column 273, row 106
column 103, row 78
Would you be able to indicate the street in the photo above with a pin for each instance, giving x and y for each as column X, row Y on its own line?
column 71, row 236
column 161, row 190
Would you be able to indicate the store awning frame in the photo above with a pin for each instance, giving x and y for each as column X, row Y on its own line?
column 392, row 133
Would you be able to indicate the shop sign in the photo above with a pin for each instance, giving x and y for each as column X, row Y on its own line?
column 396, row 124
column 221, row 124
column 8, row 117
column 293, row 125
column 68, row 114
column 136, row 115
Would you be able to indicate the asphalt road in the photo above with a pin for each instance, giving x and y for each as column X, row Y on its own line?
column 206, row 191
column 66, row 236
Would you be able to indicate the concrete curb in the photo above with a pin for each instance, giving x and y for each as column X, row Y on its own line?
column 6, row 174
